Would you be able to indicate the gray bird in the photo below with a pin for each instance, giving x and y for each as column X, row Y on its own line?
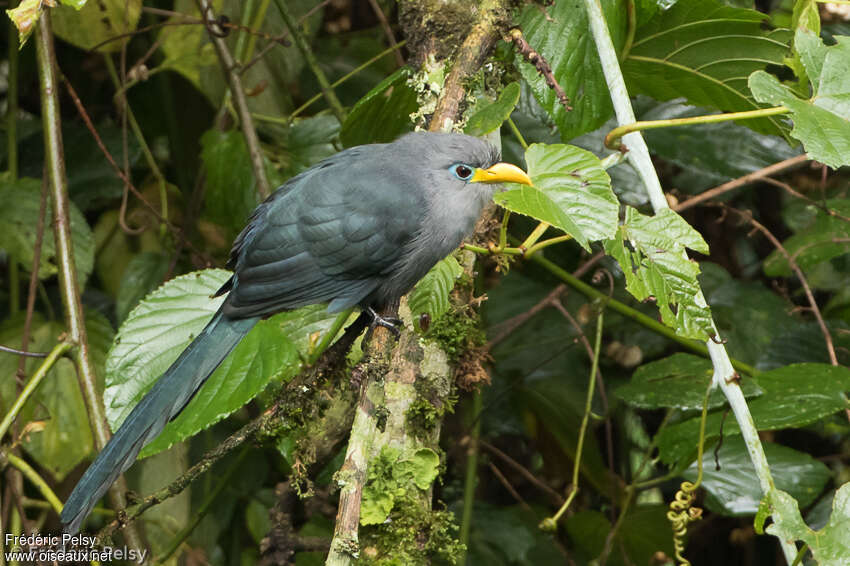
column 358, row 229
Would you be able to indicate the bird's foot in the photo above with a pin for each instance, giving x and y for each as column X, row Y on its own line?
column 389, row 323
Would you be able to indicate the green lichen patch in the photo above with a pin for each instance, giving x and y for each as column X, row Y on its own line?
column 393, row 477
column 412, row 536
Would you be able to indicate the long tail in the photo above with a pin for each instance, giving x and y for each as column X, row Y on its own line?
column 162, row 403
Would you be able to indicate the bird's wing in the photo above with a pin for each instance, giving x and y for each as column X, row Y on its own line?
column 330, row 235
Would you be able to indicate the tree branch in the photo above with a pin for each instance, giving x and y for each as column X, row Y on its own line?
column 55, row 163
column 231, row 71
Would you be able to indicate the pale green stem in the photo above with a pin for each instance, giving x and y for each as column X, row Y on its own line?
column 517, row 133
column 329, row 336
column 58, row 351
column 612, row 140
column 470, row 481
column 588, row 405
column 640, row 159
column 312, row 62
column 39, row 483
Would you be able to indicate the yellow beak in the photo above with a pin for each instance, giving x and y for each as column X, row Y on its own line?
column 501, row 173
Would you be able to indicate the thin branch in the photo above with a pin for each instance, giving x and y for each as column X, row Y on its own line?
column 507, row 485
column 312, row 62
column 385, row 25
column 830, row 347
column 231, row 71
column 556, row 497
column 543, row 68
column 55, row 163
column 747, row 179
column 790, row 190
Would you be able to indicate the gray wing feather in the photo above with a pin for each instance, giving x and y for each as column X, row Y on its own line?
column 329, row 235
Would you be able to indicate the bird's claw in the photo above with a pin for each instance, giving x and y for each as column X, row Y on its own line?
column 389, row 323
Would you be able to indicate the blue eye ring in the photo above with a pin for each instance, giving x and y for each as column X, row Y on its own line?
column 462, row 171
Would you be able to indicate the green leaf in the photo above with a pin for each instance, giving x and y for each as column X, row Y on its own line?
column 795, row 395
column 560, row 32
column 160, row 327
column 734, row 489
column 655, row 265
column 830, row 545
column 571, row 192
column 143, row 274
column 231, row 192
column 704, row 51
column 60, row 435
column 678, row 381
column 822, row 123
column 18, row 230
column 823, row 239
column 644, row 532
column 489, row 116
column 25, row 16
column 431, row 294
column 90, row 24
column 383, row 113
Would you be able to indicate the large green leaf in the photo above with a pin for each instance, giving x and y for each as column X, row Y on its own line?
column 431, row 294
column 734, row 489
column 95, row 22
column 795, row 395
column 679, row 381
column 160, row 327
column 571, row 191
column 18, row 222
column 822, row 122
column 561, row 34
column 383, row 113
column 704, row 51
column 830, row 545
column 654, row 265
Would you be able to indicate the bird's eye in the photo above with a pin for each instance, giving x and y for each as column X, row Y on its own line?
column 461, row 171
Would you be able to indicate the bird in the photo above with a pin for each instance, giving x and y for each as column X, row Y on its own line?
column 358, row 229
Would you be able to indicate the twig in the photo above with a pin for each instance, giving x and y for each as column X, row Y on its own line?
column 523, row 471
column 23, row 353
column 312, row 62
column 33, row 283
column 507, row 485
column 55, row 163
column 184, row 533
column 58, row 351
column 830, row 347
column 231, row 71
column 747, row 179
column 536, row 59
column 376, row 8
column 790, row 190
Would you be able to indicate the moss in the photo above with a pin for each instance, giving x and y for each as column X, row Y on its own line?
column 457, row 331
column 412, row 536
column 428, row 410
column 380, row 414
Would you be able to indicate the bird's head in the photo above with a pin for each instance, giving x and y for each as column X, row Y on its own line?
column 461, row 163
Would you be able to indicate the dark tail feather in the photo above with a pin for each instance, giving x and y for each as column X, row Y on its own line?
column 162, row 403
